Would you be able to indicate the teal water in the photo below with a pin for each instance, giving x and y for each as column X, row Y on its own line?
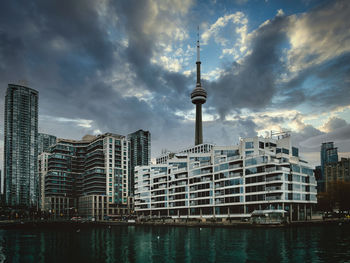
column 329, row 243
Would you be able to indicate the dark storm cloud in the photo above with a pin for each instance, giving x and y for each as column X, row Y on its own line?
column 334, row 123
column 141, row 48
column 11, row 58
column 304, row 134
column 71, row 53
column 66, row 50
column 324, row 57
column 255, row 83
column 340, row 136
column 58, row 41
column 332, row 88
column 251, row 84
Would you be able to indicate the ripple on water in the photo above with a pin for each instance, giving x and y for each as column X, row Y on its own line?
column 177, row 244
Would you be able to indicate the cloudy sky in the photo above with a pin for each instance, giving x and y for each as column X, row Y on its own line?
column 119, row 66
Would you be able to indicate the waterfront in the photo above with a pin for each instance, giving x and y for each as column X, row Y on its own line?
column 321, row 243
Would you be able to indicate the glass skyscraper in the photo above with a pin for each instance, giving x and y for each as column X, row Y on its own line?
column 21, row 146
column 140, row 153
column 329, row 155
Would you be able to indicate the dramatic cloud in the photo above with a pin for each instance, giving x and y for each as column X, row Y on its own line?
column 340, row 136
column 91, row 78
column 119, row 66
column 334, row 123
column 251, row 83
column 237, row 18
column 319, row 36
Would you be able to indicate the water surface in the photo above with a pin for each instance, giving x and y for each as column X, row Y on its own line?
column 329, row 243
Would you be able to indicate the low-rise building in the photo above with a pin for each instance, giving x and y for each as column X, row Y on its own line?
column 228, row 181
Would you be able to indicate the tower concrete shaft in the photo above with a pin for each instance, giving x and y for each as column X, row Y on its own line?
column 199, row 128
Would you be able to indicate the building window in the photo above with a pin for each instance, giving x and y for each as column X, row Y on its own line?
column 286, row 151
column 249, row 153
column 261, row 145
column 249, row 145
column 295, row 152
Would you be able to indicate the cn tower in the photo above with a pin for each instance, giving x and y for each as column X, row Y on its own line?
column 198, row 97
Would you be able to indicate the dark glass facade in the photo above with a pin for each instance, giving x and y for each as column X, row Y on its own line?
column 21, row 146
column 329, row 155
column 83, row 173
column 140, row 154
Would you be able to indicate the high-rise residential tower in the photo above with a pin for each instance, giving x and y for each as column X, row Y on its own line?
column 140, row 153
column 329, row 155
column 198, row 97
column 21, row 146
column 88, row 176
column 45, row 141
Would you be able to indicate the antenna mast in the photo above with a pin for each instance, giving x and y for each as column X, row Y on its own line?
column 198, row 49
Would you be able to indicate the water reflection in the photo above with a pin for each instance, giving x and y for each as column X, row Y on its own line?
column 176, row 244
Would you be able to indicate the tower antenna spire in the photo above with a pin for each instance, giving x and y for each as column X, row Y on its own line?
column 198, row 49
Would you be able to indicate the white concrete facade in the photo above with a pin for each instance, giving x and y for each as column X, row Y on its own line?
column 116, row 152
column 228, row 181
column 200, row 148
column 42, row 169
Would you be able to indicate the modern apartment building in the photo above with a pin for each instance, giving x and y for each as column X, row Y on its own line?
column 20, row 146
column 89, row 176
column 228, row 181
column 42, row 169
column 45, row 141
column 337, row 172
column 329, row 154
column 63, row 178
column 139, row 152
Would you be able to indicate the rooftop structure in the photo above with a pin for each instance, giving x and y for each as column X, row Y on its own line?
column 200, row 148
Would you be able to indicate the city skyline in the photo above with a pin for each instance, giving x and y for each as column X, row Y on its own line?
column 103, row 67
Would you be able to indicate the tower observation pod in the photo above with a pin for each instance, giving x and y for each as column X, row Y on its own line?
column 198, row 97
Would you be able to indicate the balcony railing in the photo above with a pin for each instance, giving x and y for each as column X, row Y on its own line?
column 275, row 188
column 270, row 198
column 277, row 178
